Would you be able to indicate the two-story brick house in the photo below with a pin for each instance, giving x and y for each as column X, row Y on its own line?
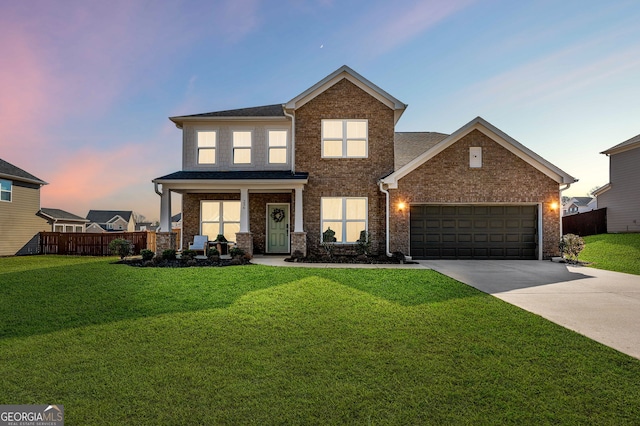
column 276, row 178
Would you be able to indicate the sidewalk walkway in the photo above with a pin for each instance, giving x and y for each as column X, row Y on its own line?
column 279, row 261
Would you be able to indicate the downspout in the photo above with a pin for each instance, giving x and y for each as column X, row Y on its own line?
column 293, row 139
column 560, row 207
column 386, row 192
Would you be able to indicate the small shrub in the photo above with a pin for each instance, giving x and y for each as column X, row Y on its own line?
column 122, row 248
column 188, row 254
column 169, row 254
column 147, row 254
column 213, row 252
column 236, row 252
column 570, row 247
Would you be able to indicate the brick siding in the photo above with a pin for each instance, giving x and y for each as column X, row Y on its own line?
column 342, row 177
column 503, row 178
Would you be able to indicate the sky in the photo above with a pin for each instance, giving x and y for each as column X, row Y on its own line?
column 87, row 86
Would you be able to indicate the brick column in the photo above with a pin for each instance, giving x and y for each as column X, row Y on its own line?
column 244, row 241
column 165, row 241
column 299, row 243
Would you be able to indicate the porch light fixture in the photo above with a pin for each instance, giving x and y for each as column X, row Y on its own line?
column 554, row 206
column 401, row 206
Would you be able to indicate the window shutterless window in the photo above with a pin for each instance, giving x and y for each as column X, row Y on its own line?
column 5, row 190
column 345, row 217
column 241, row 147
column 220, row 217
column 345, row 138
column 277, row 146
column 207, row 140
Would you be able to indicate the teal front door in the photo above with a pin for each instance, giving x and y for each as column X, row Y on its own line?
column 278, row 228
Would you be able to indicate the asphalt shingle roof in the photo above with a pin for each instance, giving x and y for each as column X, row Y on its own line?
column 10, row 170
column 104, row 216
column 409, row 145
column 275, row 110
column 234, row 175
column 634, row 140
column 61, row 214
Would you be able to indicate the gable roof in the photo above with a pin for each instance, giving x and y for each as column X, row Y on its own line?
column 264, row 112
column 496, row 135
column 409, row 145
column 8, row 170
column 580, row 201
column 105, row 216
column 632, row 143
column 57, row 214
column 176, row 217
column 344, row 72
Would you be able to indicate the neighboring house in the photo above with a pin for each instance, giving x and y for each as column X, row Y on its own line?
column 578, row 205
column 146, row 226
column 111, row 221
column 621, row 196
column 19, row 207
column 62, row 221
column 176, row 221
column 328, row 164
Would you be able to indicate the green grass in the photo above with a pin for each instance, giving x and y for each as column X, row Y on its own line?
column 263, row 345
column 614, row 252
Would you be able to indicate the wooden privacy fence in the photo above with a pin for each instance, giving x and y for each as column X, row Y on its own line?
column 89, row 244
column 588, row 223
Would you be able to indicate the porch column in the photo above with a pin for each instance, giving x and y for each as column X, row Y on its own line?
column 244, row 209
column 165, row 210
column 299, row 223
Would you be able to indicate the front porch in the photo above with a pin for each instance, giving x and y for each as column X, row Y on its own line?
column 262, row 216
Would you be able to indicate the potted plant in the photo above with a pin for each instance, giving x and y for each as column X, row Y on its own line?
column 222, row 244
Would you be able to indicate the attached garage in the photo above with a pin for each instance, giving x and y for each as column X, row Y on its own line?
column 474, row 231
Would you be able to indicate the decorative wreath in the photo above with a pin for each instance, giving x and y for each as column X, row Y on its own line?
column 277, row 215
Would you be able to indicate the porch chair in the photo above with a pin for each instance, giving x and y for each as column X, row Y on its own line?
column 200, row 244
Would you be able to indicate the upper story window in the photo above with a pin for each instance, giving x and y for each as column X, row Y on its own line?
column 5, row 190
column 343, row 218
column 241, row 147
column 344, row 138
column 277, row 146
column 207, row 140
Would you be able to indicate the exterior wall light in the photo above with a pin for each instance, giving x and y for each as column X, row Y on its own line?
column 401, row 206
column 554, row 206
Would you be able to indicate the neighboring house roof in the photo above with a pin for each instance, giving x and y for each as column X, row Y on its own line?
column 632, row 143
column 409, row 145
column 149, row 226
column 57, row 214
column 9, row 171
column 267, row 111
column 581, row 201
column 176, row 217
column 495, row 134
column 105, row 216
column 344, row 72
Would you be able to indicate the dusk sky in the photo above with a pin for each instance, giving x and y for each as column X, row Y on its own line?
column 87, row 86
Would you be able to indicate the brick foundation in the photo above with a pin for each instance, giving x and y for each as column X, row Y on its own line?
column 299, row 243
column 244, row 241
column 165, row 241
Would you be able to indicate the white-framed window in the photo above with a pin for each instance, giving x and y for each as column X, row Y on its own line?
column 68, row 228
column 345, row 216
column 277, row 141
column 79, row 228
column 345, row 138
column 220, row 217
column 58, row 228
column 207, row 141
column 5, row 190
column 241, row 147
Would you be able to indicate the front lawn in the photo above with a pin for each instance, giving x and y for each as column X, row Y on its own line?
column 614, row 252
column 254, row 344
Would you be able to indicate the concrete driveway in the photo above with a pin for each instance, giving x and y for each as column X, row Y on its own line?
column 602, row 305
